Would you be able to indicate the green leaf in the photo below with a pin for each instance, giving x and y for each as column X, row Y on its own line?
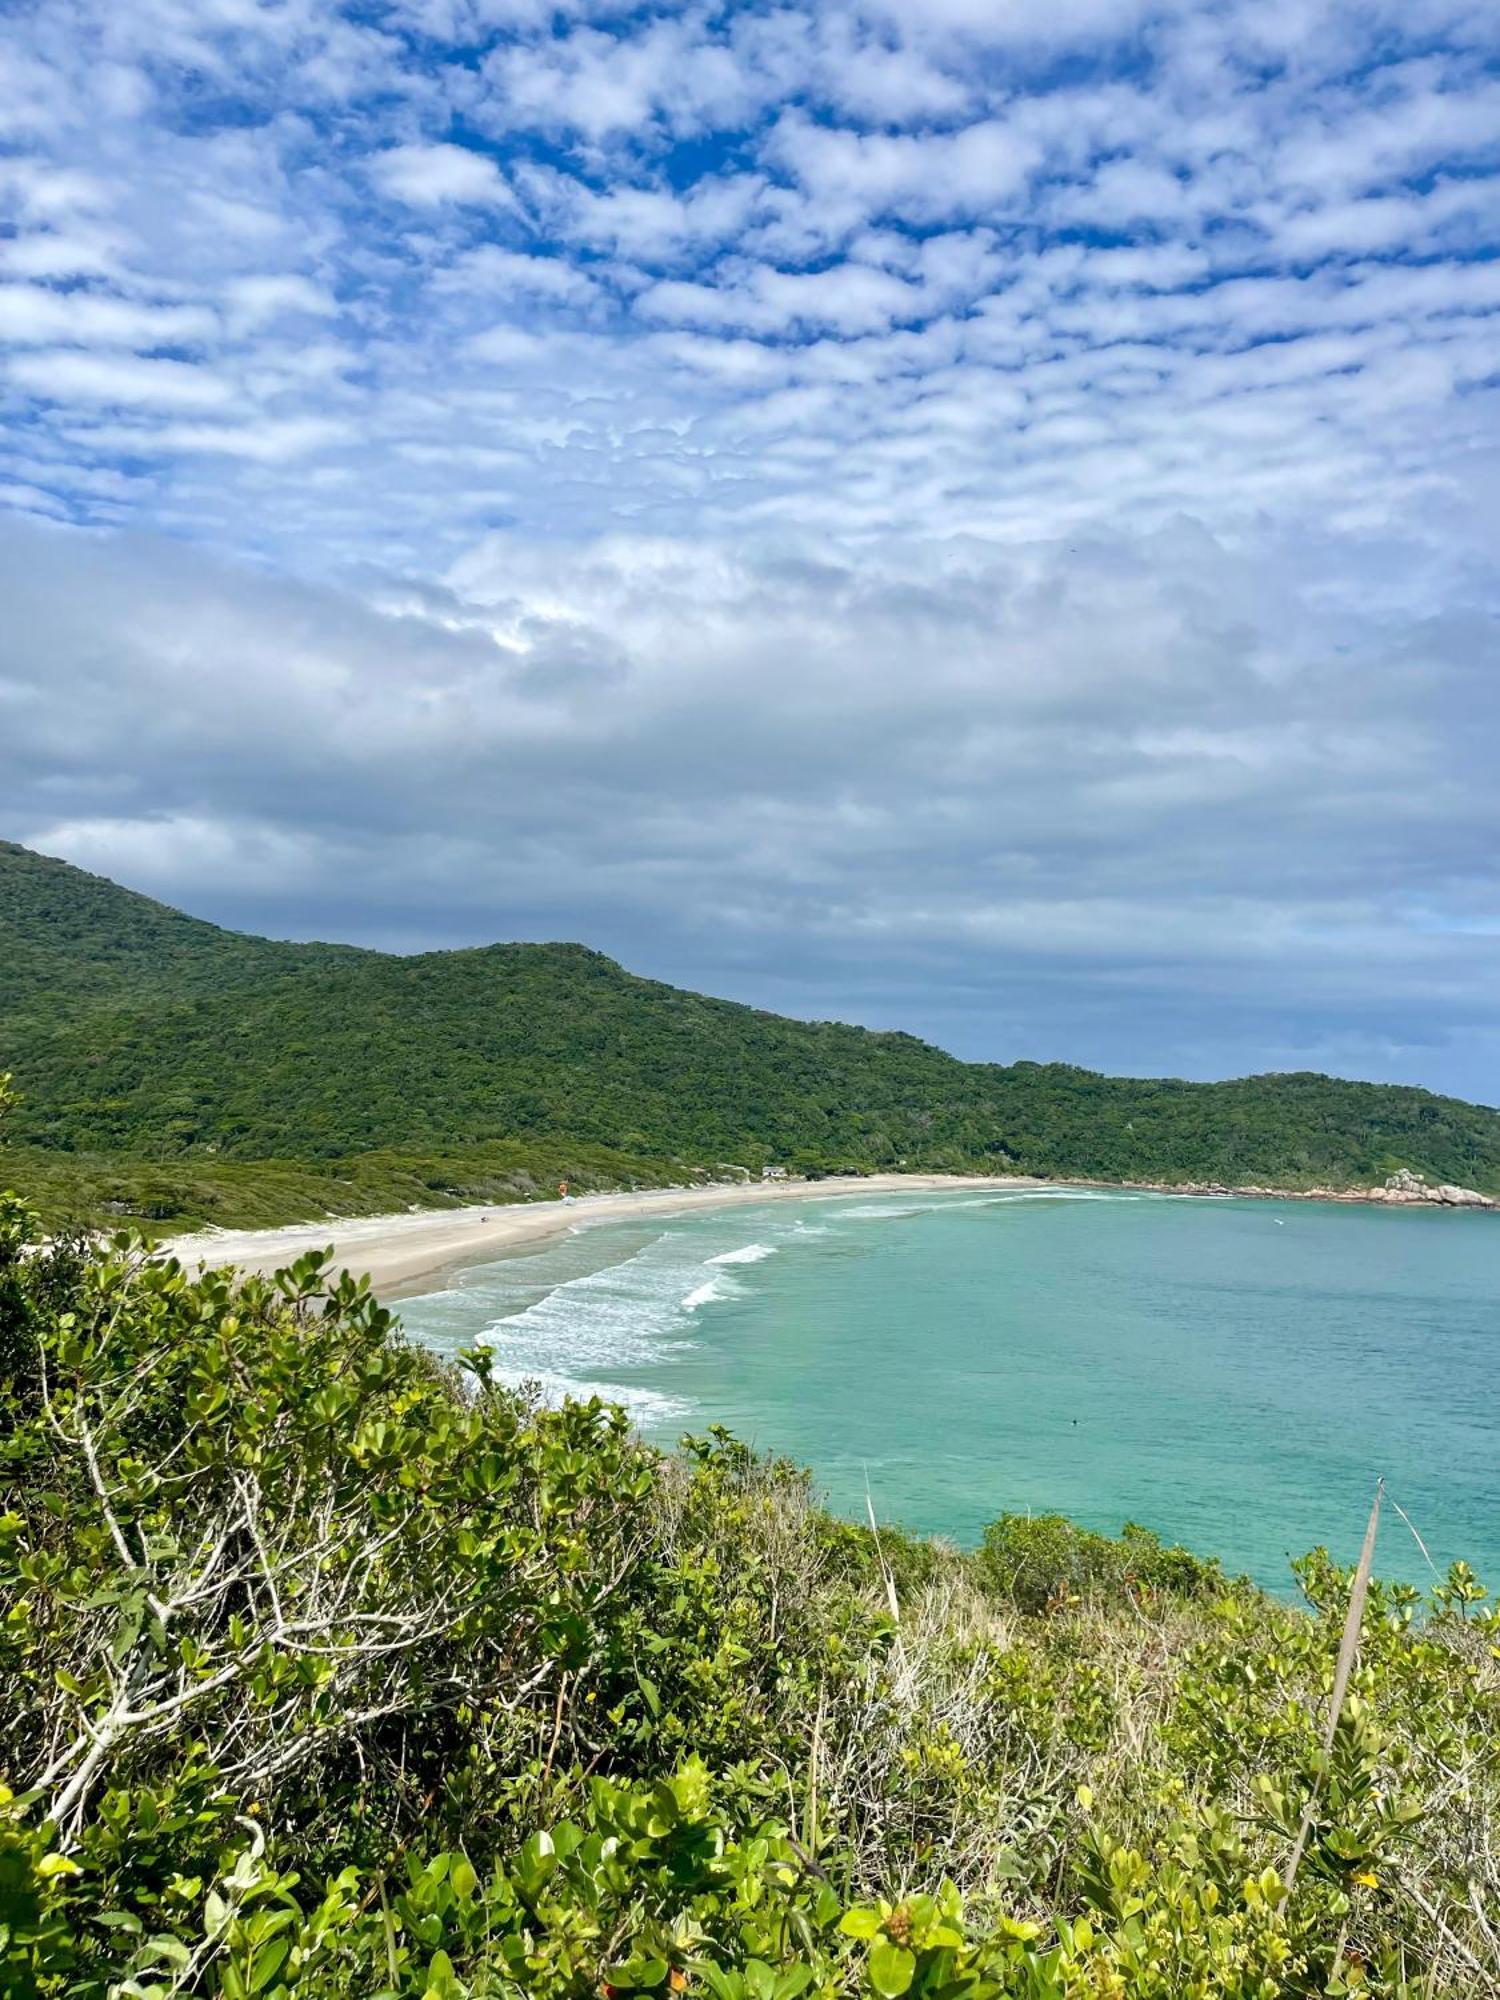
column 171, row 1949
column 268, row 1962
column 891, row 1969
column 862, row 1922
column 441, row 1978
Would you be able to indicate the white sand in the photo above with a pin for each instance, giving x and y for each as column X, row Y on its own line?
column 399, row 1253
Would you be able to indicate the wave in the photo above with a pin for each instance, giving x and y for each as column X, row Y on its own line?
column 871, row 1212
column 646, row 1407
column 751, row 1253
column 704, row 1295
column 590, row 1334
column 1000, row 1198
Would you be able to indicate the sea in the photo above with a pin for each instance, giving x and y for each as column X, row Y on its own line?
column 1235, row 1374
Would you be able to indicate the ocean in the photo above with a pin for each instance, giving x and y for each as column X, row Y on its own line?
column 1234, row 1374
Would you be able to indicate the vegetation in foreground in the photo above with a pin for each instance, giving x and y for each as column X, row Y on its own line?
column 326, row 1671
column 180, row 1073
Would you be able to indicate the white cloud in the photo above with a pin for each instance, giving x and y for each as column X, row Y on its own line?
column 654, row 224
column 978, row 169
column 123, row 383
column 492, row 273
column 45, row 192
column 506, row 344
column 851, row 298
column 429, row 176
column 1011, row 21
column 32, row 315
column 72, row 253
column 263, row 297
column 271, row 441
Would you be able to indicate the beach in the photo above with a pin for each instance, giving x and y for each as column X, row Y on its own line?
column 403, row 1253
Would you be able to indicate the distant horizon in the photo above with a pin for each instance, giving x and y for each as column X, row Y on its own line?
column 975, row 515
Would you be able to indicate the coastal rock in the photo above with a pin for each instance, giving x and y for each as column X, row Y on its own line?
column 1405, row 1186
column 1462, row 1197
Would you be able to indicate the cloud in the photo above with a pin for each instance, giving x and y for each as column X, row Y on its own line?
column 124, row 384
column 973, row 515
column 921, row 177
column 828, row 761
column 491, row 273
column 267, row 443
column 32, row 315
column 261, row 298
column 428, row 176
column 852, row 298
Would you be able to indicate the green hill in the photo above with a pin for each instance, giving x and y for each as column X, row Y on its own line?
column 166, row 1064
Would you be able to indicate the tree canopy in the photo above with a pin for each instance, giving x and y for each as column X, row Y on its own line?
column 140, row 1035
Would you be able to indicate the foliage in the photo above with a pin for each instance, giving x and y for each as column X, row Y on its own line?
column 325, row 1670
column 1044, row 1560
column 189, row 1191
column 181, row 1072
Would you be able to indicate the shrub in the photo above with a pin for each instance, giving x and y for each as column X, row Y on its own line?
column 1044, row 1560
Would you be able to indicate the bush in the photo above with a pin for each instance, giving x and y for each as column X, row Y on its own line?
column 1044, row 1561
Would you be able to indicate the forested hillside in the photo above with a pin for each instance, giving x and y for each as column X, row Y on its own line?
column 143, row 1038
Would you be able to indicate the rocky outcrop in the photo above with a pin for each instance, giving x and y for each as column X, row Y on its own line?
column 1403, row 1189
column 1406, row 1187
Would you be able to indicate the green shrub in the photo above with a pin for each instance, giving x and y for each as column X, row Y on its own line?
column 1042, row 1561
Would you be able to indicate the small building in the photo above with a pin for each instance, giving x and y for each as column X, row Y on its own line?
column 773, row 1173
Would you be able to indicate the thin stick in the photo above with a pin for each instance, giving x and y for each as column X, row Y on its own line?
column 1348, row 1647
column 890, row 1581
column 557, row 1722
column 1418, row 1540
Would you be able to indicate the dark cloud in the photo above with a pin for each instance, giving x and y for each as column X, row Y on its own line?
column 1138, row 802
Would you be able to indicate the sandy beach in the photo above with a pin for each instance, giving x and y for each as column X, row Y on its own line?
column 405, row 1253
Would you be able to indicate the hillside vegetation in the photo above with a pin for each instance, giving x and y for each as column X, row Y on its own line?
column 176, row 1070
column 325, row 1671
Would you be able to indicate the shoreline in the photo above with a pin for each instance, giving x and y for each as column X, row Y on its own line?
column 402, row 1252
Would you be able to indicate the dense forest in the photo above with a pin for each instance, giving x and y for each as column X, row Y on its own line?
column 176, row 1071
column 327, row 1671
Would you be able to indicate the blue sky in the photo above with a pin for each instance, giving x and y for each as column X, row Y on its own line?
column 976, row 516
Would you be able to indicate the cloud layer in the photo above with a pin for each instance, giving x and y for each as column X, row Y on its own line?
column 954, row 516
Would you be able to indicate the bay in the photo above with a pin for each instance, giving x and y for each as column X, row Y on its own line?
column 1232, row 1373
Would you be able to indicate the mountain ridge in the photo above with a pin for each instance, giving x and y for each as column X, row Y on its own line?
column 138, row 1033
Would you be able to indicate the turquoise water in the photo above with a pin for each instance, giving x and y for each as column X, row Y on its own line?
column 1233, row 1373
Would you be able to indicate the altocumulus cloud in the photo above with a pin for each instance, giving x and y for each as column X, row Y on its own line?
column 948, row 515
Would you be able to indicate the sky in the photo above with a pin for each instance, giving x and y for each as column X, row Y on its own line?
column 977, row 516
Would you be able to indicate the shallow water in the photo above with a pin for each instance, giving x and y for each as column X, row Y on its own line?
column 1233, row 1373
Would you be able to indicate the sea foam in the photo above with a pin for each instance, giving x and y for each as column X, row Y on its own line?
column 703, row 1295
